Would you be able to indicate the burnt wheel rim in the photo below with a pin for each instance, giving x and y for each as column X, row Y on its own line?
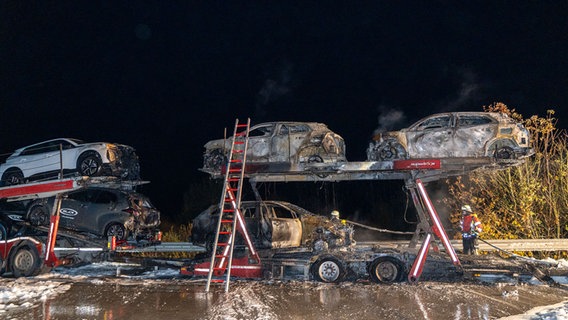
column 328, row 271
column 386, row 271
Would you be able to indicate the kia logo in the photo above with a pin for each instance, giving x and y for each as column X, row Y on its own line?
column 68, row 212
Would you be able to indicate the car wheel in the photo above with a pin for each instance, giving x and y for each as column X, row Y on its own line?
column 391, row 151
column 328, row 269
column 215, row 159
column 13, row 176
column 89, row 164
column 315, row 159
column 38, row 215
column 386, row 270
column 25, row 262
column 504, row 153
column 117, row 230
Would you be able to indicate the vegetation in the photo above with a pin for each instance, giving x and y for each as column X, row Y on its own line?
column 528, row 201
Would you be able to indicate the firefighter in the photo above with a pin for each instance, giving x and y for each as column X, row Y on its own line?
column 334, row 215
column 470, row 227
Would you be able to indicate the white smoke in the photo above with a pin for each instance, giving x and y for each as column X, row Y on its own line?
column 389, row 119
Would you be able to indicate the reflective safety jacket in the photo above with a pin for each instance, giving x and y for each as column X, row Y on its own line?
column 470, row 224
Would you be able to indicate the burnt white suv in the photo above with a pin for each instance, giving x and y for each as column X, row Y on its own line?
column 455, row 135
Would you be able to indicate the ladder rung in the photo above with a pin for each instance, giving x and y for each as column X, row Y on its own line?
column 217, row 280
column 238, row 151
column 224, row 232
column 227, row 221
column 222, row 244
column 228, row 210
column 236, row 161
column 221, row 256
column 240, row 125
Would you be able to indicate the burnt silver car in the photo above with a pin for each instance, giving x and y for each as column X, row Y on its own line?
column 454, row 134
column 276, row 224
column 101, row 211
column 281, row 142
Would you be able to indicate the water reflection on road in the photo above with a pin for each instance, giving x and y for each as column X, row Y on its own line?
column 126, row 298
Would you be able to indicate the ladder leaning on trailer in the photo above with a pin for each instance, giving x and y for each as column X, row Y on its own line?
column 231, row 219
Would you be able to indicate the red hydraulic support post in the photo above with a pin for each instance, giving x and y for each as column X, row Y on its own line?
column 438, row 230
column 50, row 258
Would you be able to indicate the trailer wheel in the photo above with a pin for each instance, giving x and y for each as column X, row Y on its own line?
column 25, row 262
column 328, row 269
column 386, row 270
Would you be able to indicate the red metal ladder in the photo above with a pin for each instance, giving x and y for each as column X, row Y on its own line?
column 230, row 216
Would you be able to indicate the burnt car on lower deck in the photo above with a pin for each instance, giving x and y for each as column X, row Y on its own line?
column 276, row 224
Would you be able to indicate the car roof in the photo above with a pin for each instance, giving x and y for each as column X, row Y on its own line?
column 72, row 140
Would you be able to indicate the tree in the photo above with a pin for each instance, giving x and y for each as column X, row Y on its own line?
column 526, row 201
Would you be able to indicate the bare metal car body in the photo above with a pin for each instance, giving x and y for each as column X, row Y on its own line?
column 452, row 135
column 281, row 142
column 275, row 224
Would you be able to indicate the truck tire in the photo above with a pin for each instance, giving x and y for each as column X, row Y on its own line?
column 386, row 270
column 328, row 269
column 25, row 261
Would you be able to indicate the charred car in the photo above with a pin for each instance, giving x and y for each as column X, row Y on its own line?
column 100, row 211
column 281, row 142
column 276, row 224
column 47, row 159
column 455, row 134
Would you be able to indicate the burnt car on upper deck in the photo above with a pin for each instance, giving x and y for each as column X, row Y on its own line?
column 453, row 135
column 281, row 142
column 48, row 158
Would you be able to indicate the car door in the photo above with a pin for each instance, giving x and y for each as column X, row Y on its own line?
column 472, row 133
column 43, row 157
column 432, row 138
column 85, row 211
column 280, row 145
column 286, row 227
column 259, row 143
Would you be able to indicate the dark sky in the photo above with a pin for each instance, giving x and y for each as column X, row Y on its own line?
column 167, row 76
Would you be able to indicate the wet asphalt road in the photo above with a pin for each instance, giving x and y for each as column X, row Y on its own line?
column 112, row 297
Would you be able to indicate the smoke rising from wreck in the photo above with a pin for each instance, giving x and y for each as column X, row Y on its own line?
column 389, row 119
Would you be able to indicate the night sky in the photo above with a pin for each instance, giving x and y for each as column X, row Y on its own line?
column 167, row 76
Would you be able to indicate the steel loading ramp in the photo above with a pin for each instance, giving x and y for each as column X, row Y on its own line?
column 425, row 169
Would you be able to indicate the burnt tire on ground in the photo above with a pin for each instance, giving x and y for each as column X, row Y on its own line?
column 328, row 269
column 386, row 270
column 25, row 261
column 89, row 164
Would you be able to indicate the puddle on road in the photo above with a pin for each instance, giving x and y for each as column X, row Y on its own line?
column 161, row 294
